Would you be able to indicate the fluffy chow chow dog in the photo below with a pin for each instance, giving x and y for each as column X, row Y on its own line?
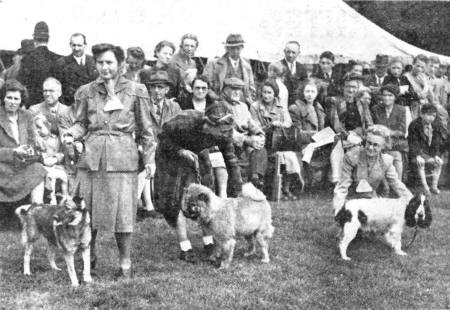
column 248, row 215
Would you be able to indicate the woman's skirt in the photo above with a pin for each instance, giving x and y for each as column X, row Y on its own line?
column 110, row 196
column 18, row 182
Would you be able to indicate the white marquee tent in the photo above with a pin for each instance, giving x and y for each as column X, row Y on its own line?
column 265, row 25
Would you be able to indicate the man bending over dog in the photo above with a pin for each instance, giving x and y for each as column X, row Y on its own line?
column 181, row 142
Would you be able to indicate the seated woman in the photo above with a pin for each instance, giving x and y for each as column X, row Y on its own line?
column 20, row 174
column 393, row 116
column 270, row 114
column 308, row 116
column 365, row 168
column 425, row 141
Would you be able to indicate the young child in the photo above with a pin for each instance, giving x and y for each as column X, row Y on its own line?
column 50, row 147
column 425, row 139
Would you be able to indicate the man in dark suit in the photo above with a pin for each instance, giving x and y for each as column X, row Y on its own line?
column 37, row 65
column 376, row 79
column 294, row 72
column 74, row 70
column 331, row 78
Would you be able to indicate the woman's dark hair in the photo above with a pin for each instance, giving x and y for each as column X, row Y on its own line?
column 162, row 44
column 302, row 86
column 101, row 48
column 420, row 57
column 14, row 85
column 200, row 78
column 136, row 52
column 272, row 84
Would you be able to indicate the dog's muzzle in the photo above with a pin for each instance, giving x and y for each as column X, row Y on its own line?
column 192, row 213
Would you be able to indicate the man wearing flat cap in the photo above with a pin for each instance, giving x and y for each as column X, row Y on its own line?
column 231, row 64
column 349, row 118
column 161, row 110
column 178, row 164
column 249, row 138
column 37, row 65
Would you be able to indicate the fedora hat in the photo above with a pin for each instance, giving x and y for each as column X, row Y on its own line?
column 26, row 46
column 234, row 39
column 41, row 31
column 381, row 60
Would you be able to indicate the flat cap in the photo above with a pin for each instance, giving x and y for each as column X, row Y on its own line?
column 233, row 82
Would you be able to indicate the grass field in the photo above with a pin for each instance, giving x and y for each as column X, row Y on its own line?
column 305, row 273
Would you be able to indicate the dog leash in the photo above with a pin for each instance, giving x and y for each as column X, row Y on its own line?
column 413, row 238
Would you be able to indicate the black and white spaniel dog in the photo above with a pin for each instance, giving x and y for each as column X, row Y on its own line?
column 382, row 215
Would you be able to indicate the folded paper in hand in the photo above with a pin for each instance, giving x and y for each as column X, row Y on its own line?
column 323, row 137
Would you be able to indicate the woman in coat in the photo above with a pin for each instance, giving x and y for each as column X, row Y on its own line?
column 110, row 113
column 20, row 172
column 181, row 141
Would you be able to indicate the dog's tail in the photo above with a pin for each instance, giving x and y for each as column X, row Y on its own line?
column 250, row 191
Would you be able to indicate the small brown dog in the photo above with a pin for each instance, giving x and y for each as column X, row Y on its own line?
column 65, row 226
column 249, row 215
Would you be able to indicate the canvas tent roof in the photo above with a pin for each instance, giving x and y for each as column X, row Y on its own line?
column 265, row 25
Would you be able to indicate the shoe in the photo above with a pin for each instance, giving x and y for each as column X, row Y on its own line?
column 209, row 249
column 189, row 256
column 123, row 274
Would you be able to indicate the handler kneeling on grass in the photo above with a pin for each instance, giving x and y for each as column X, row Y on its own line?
column 177, row 165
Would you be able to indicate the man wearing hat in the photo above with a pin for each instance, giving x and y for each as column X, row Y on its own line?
column 348, row 118
column 27, row 45
column 249, row 138
column 231, row 64
column 375, row 80
column 178, row 164
column 161, row 110
column 76, row 69
column 37, row 65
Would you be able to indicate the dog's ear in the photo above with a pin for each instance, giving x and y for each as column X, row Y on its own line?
column 203, row 197
column 426, row 222
column 79, row 202
column 410, row 211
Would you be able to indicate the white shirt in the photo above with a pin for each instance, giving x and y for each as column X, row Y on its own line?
column 80, row 60
column 14, row 127
column 380, row 80
column 199, row 106
column 234, row 63
column 292, row 67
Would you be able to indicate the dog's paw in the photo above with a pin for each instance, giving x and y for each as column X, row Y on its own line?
column 265, row 260
column 87, row 279
column 27, row 273
column 75, row 284
column 224, row 265
column 346, row 258
column 400, row 252
column 56, row 268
